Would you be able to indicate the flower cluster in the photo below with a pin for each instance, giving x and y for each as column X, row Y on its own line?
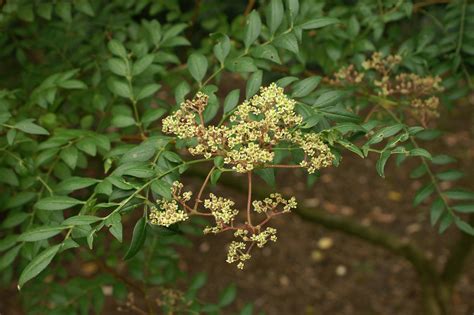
column 426, row 109
column 380, row 64
column 346, row 75
column 317, row 153
column 254, row 128
column 414, row 91
column 273, row 202
column 221, row 209
column 238, row 252
column 225, row 215
column 245, row 142
column 168, row 214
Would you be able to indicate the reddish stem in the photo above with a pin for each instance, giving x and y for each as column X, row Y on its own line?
column 204, row 184
column 249, row 199
column 283, row 166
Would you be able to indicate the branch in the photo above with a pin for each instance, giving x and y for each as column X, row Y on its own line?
column 420, row 5
column 249, row 7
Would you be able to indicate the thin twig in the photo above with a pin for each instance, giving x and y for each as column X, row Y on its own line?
column 249, row 198
column 201, row 190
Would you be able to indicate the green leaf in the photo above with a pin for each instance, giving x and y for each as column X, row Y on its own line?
column 148, row 90
column 328, row 98
column 445, row 221
column 253, row 84
column 69, row 155
column 8, row 176
column 197, row 66
column 118, row 67
column 274, row 15
column 14, row 218
column 20, row 199
column 114, row 222
column 311, row 121
column 139, row 171
column 252, row 29
column 450, row 175
column 464, row 226
column 423, row 193
column 385, row 133
column 267, row 52
column 8, row 241
column 28, row 126
column 84, row 6
column 420, row 152
column 181, row 91
column 8, row 258
column 288, row 42
column 419, row 171
column 353, row 27
column 242, row 64
column 306, row 86
column 466, row 208
column 161, row 188
column 436, row 211
column 215, row 175
column 142, row 64
column 222, row 49
column 228, row 295
column 293, row 8
column 231, row 100
column 285, row 81
column 443, row 159
column 11, row 135
column 428, row 134
column 351, row 147
column 172, row 157
column 44, row 10
column 459, row 194
column 141, row 153
column 117, row 48
column 75, row 183
column 57, row 203
column 198, row 281
column 138, row 238
column 380, row 166
column 25, row 13
column 38, row 264
column 122, row 121
column 120, row 88
column 319, row 23
column 73, row 85
column 247, row 310
column 40, row 233
column 87, row 146
column 63, row 10
column 81, row 220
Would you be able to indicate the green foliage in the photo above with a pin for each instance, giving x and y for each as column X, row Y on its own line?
column 86, row 83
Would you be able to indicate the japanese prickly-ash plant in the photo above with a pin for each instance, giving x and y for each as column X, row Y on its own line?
column 109, row 110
